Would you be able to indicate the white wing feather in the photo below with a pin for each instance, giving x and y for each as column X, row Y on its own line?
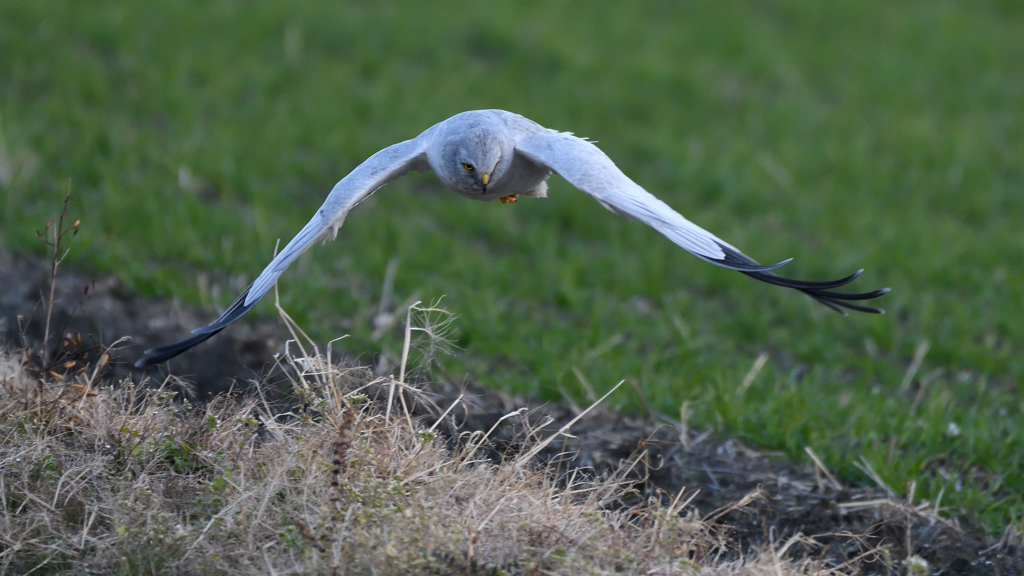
column 379, row 169
column 587, row 168
column 590, row 170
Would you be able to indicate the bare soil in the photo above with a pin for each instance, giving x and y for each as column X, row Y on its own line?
column 847, row 522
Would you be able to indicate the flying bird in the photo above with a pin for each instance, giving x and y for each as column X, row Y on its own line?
column 497, row 155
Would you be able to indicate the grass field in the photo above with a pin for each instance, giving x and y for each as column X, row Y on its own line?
column 844, row 134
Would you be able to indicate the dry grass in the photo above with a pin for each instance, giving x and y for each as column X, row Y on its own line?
column 125, row 479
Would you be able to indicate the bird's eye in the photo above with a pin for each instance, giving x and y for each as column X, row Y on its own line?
column 468, row 166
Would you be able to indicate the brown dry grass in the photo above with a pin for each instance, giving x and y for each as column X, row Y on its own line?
column 126, row 479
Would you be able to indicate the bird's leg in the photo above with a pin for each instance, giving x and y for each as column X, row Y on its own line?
column 509, row 198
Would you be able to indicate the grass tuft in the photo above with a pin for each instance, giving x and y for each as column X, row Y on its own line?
column 128, row 479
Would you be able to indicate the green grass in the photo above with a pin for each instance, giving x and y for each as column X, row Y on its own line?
column 844, row 134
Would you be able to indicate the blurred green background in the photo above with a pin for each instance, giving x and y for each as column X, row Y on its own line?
column 849, row 134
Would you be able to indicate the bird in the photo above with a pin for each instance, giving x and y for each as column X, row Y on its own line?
column 491, row 155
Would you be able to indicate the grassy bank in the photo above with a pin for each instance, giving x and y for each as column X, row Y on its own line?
column 861, row 134
column 101, row 480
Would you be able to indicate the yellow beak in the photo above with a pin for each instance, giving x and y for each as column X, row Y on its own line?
column 485, row 177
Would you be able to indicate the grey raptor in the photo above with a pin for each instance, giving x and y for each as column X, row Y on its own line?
column 493, row 154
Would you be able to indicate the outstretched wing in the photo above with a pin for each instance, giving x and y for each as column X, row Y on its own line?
column 586, row 167
column 376, row 171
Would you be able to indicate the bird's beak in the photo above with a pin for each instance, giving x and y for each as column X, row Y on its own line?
column 484, row 178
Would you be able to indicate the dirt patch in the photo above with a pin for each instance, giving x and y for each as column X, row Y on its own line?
column 792, row 498
column 99, row 307
column 848, row 522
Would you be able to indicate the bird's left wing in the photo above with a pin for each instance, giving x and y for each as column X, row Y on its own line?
column 586, row 167
column 379, row 169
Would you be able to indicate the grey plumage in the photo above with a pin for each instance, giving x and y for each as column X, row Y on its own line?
column 491, row 154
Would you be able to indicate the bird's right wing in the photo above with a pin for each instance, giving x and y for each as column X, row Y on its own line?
column 379, row 169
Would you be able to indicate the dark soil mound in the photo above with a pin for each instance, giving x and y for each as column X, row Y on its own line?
column 98, row 307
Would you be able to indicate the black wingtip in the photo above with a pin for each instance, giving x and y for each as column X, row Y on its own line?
column 803, row 284
column 820, row 291
column 736, row 260
column 161, row 354
column 743, row 267
column 776, row 265
column 237, row 309
column 846, row 300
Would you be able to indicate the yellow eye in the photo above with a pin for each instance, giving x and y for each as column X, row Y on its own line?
column 468, row 167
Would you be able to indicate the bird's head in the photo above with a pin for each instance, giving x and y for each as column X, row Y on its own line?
column 476, row 157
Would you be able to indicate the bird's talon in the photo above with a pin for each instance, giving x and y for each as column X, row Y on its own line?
column 509, row 198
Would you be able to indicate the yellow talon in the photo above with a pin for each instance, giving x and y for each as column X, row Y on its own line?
column 509, row 198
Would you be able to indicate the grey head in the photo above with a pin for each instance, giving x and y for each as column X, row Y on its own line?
column 471, row 153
